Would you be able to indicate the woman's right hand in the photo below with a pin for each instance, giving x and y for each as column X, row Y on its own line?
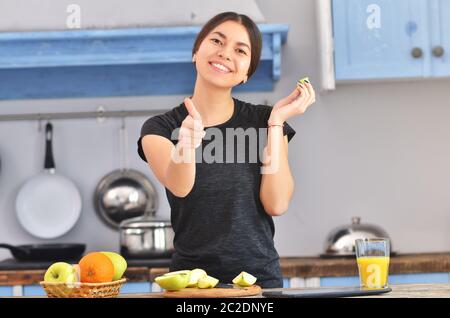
column 192, row 130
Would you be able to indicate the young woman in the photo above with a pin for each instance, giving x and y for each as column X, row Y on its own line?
column 222, row 200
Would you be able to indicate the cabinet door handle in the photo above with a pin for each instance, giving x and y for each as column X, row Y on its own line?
column 438, row 51
column 417, row 52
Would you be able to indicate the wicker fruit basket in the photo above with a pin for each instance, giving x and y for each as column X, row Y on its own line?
column 83, row 290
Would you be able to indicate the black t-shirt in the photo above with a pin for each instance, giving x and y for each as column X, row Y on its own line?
column 221, row 225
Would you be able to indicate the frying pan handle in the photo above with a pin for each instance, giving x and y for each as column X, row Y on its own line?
column 13, row 248
column 49, row 162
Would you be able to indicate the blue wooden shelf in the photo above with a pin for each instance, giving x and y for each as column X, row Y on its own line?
column 116, row 62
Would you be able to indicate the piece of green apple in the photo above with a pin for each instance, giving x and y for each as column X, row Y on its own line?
column 184, row 271
column 196, row 274
column 173, row 282
column 303, row 81
column 61, row 272
column 77, row 269
column 120, row 264
column 244, row 279
column 207, row 282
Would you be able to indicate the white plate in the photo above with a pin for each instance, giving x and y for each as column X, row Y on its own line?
column 48, row 205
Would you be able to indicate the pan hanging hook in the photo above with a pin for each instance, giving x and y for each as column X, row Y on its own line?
column 41, row 118
column 39, row 122
column 123, row 120
column 123, row 144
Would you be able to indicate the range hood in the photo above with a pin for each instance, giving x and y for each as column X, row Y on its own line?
column 116, row 62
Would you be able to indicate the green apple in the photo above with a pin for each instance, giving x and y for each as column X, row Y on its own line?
column 173, row 282
column 207, row 282
column 196, row 274
column 61, row 272
column 120, row 264
column 303, row 81
column 244, row 279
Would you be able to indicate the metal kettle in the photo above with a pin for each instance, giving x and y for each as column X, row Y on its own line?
column 341, row 240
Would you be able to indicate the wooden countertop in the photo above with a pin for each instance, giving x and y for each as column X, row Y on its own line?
column 398, row 291
column 291, row 267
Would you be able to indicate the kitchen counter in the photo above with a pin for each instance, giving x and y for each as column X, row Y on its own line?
column 291, row 267
column 398, row 291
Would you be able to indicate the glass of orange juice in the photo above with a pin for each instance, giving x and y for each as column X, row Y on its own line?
column 372, row 256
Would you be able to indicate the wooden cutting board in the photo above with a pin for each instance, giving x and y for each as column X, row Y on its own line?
column 214, row 292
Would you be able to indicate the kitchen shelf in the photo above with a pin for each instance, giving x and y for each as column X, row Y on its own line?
column 116, row 62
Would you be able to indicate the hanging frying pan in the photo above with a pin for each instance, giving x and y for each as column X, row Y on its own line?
column 49, row 204
column 46, row 252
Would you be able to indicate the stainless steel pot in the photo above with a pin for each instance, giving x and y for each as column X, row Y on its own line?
column 341, row 240
column 146, row 237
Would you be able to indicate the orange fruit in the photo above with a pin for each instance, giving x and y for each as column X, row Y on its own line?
column 96, row 268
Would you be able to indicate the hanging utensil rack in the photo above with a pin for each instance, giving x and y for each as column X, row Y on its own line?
column 99, row 114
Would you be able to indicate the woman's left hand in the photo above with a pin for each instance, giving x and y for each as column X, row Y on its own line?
column 295, row 104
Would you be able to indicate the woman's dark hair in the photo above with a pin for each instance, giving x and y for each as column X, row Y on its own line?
column 252, row 29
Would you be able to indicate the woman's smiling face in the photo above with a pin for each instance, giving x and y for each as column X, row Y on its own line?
column 223, row 58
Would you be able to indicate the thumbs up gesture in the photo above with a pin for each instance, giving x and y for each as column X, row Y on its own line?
column 192, row 129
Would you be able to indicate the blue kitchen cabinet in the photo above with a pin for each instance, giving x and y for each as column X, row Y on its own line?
column 339, row 281
column 6, row 291
column 426, row 278
column 136, row 288
column 37, row 290
column 379, row 38
column 391, row 39
column 33, row 290
column 128, row 288
column 439, row 17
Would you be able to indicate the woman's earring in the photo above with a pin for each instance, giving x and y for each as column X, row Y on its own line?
column 245, row 79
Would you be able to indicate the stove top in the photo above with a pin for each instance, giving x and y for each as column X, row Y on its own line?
column 13, row 264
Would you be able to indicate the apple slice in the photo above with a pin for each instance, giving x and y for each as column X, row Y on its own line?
column 207, row 282
column 173, row 282
column 185, row 271
column 120, row 264
column 196, row 274
column 303, row 81
column 76, row 268
column 244, row 279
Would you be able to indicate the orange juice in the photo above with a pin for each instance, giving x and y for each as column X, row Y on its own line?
column 373, row 271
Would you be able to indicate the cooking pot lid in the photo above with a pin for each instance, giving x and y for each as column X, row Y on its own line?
column 146, row 221
column 341, row 240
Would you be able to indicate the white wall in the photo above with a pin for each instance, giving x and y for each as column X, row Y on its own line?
column 24, row 15
column 375, row 150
